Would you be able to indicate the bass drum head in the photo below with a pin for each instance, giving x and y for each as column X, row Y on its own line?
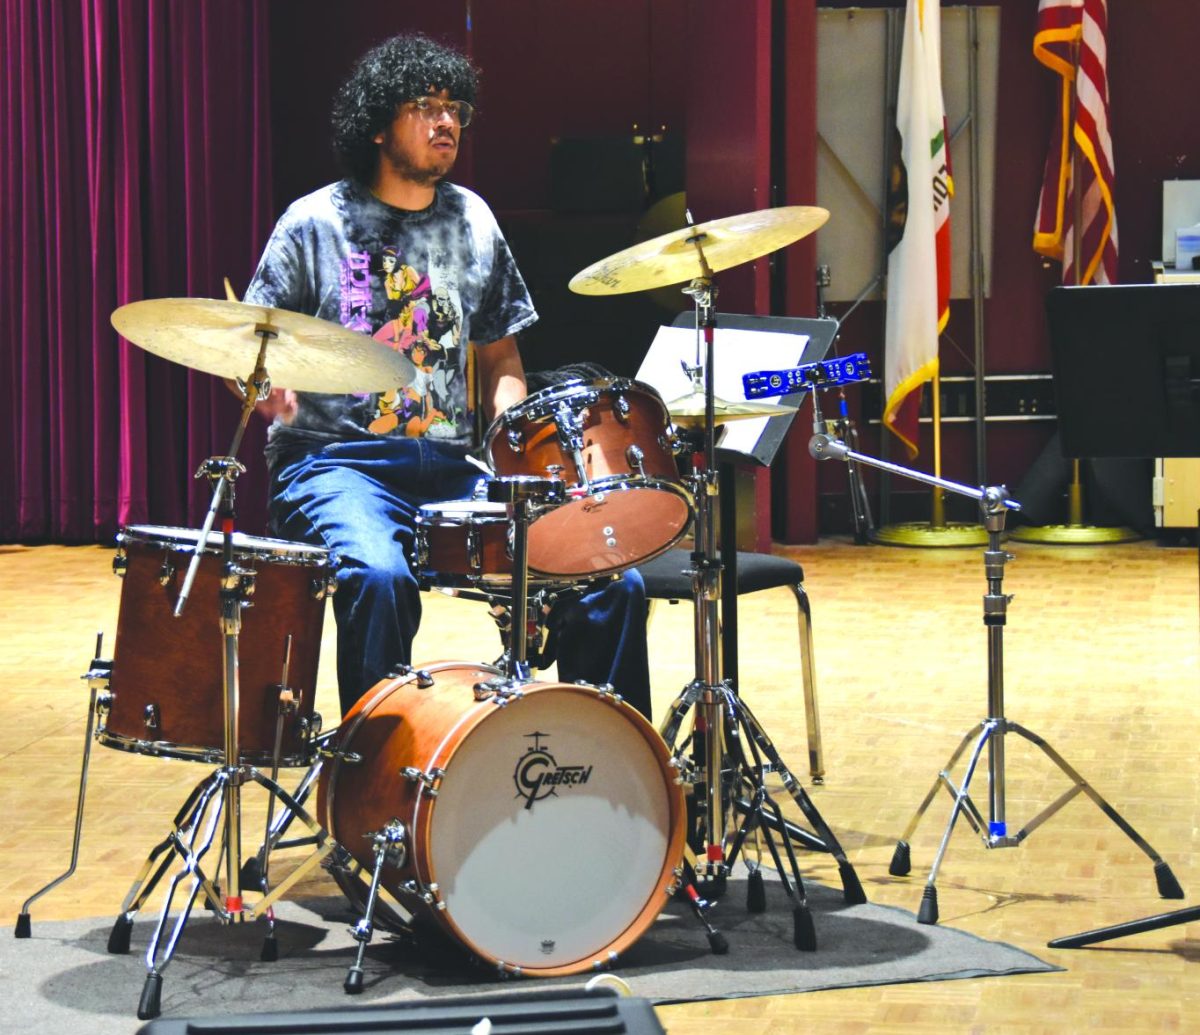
column 555, row 832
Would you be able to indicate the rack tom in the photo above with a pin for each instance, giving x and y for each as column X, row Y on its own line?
column 612, row 444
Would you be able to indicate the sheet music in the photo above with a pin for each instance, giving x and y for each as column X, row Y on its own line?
column 735, row 352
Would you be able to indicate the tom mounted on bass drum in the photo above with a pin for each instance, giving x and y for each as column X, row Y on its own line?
column 611, row 442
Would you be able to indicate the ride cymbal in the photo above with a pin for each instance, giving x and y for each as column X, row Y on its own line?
column 676, row 257
column 304, row 353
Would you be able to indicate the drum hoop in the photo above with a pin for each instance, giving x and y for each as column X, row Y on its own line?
column 675, row 834
column 383, row 689
column 575, row 387
column 461, row 518
column 192, row 753
column 620, row 483
column 273, row 551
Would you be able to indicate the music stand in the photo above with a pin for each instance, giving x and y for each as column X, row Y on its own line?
column 762, row 451
column 1130, row 349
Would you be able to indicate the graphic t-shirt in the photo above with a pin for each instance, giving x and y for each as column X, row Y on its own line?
column 425, row 283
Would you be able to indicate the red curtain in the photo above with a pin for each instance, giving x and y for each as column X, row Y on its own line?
column 134, row 163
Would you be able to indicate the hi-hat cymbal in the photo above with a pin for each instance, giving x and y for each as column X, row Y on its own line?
column 305, row 353
column 688, row 410
column 675, row 257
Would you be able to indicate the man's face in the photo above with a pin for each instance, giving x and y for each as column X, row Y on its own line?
column 420, row 146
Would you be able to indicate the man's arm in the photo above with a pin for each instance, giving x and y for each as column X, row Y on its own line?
column 501, row 376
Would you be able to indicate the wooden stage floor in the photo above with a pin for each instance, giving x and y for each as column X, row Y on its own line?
column 1101, row 660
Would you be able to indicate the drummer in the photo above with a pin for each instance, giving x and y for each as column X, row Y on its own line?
column 396, row 251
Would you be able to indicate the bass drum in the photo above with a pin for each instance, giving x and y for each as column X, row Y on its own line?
column 543, row 830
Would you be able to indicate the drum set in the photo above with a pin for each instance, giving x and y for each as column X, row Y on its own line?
column 541, row 827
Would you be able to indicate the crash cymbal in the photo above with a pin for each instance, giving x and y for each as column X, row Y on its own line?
column 218, row 337
column 675, row 257
column 688, row 410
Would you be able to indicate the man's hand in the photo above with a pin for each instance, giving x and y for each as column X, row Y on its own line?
column 279, row 402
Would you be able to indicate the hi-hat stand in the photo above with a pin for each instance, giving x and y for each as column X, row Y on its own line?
column 732, row 749
column 994, row 503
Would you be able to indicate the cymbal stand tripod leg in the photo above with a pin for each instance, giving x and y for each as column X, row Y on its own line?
column 761, row 745
column 758, row 801
column 182, row 833
column 253, row 868
column 182, row 841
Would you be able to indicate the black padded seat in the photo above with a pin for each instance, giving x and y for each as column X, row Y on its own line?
column 666, row 577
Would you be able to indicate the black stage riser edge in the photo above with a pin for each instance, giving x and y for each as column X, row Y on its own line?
column 571, row 1011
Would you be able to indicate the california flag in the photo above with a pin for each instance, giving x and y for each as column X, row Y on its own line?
column 919, row 190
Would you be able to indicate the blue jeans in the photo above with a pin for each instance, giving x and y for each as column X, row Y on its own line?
column 360, row 500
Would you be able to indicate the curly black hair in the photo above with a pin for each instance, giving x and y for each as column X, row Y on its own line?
column 397, row 70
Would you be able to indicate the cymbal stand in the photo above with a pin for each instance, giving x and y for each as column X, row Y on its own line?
column 994, row 503
column 218, row 796
column 731, row 743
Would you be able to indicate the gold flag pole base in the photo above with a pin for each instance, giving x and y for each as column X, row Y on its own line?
column 1074, row 532
column 927, row 534
column 937, row 531
column 1073, row 535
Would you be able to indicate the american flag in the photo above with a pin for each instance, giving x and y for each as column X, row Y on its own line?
column 1071, row 41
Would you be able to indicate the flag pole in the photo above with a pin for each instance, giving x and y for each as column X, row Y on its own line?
column 937, row 531
column 1074, row 532
column 937, row 512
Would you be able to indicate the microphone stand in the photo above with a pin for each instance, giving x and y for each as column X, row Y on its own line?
column 843, row 427
column 994, row 503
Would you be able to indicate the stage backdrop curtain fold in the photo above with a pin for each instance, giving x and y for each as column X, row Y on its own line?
column 134, row 164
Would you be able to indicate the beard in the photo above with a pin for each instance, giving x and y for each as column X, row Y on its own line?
column 424, row 170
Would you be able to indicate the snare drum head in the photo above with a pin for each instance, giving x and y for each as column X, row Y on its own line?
column 185, row 539
column 555, row 830
column 458, row 511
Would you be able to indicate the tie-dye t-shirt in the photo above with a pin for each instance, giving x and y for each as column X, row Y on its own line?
column 426, row 283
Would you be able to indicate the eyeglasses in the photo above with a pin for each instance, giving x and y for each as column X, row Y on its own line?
column 431, row 109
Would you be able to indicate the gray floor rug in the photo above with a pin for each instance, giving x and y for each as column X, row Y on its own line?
column 63, row 979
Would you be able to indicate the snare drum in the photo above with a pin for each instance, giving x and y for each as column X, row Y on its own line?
column 464, row 543
column 543, row 836
column 611, row 442
column 167, row 685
